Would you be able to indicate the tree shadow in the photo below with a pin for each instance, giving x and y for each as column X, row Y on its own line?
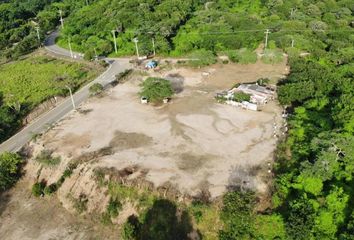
column 5, row 198
column 164, row 221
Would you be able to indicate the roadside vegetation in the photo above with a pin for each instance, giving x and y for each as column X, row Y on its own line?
column 28, row 82
column 10, row 167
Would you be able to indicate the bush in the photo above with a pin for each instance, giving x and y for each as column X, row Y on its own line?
column 46, row 158
column 103, row 63
column 96, row 89
column 201, row 58
column 129, row 232
column 237, row 215
column 122, row 75
column 156, row 89
column 113, row 208
column 9, row 169
column 243, row 56
column 241, row 96
column 38, row 188
column 272, row 56
column 263, row 81
column 52, row 188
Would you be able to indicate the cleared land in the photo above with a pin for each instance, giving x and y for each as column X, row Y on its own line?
column 192, row 143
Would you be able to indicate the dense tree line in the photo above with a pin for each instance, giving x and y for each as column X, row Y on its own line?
column 18, row 20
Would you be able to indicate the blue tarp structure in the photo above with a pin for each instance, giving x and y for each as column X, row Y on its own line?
column 151, row 64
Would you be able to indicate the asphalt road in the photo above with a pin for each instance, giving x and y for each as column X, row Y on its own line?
column 16, row 142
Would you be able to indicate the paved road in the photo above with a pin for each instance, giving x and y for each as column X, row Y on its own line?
column 17, row 141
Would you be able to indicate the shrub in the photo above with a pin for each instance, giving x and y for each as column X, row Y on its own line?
column 156, row 89
column 243, row 56
column 263, row 81
column 9, row 169
column 237, row 215
column 113, row 208
column 38, row 188
column 120, row 77
column 45, row 158
column 96, row 89
column 103, row 63
column 52, row 188
column 272, row 56
column 129, row 232
column 201, row 58
column 241, row 96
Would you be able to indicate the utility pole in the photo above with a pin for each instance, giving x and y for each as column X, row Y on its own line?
column 115, row 41
column 61, row 18
column 96, row 56
column 135, row 40
column 71, row 96
column 292, row 43
column 38, row 36
column 266, row 40
column 153, row 46
column 71, row 51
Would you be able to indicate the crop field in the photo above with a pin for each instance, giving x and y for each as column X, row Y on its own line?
column 32, row 80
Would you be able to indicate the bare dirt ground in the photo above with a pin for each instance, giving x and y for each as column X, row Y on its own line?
column 191, row 143
column 24, row 217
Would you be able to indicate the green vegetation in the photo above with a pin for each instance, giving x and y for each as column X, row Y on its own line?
column 26, row 83
column 41, row 188
column 201, row 58
column 123, row 76
column 46, row 159
column 156, row 89
column 243, row 56
column 38, row 189
column 241, row 96
column 96, row 89
column 9, row 169
column 272, row 56
column 80, row 203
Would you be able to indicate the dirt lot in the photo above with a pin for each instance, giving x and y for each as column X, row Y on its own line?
column 192, row 142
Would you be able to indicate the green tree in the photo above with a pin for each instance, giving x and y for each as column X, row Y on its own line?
column 9, row 169
column 156, row 89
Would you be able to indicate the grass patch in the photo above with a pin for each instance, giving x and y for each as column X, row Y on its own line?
column 200, row 58
column 46, row 159
column 272, row 56
column 121, row 192
column 206, row 218
column 243, row 56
